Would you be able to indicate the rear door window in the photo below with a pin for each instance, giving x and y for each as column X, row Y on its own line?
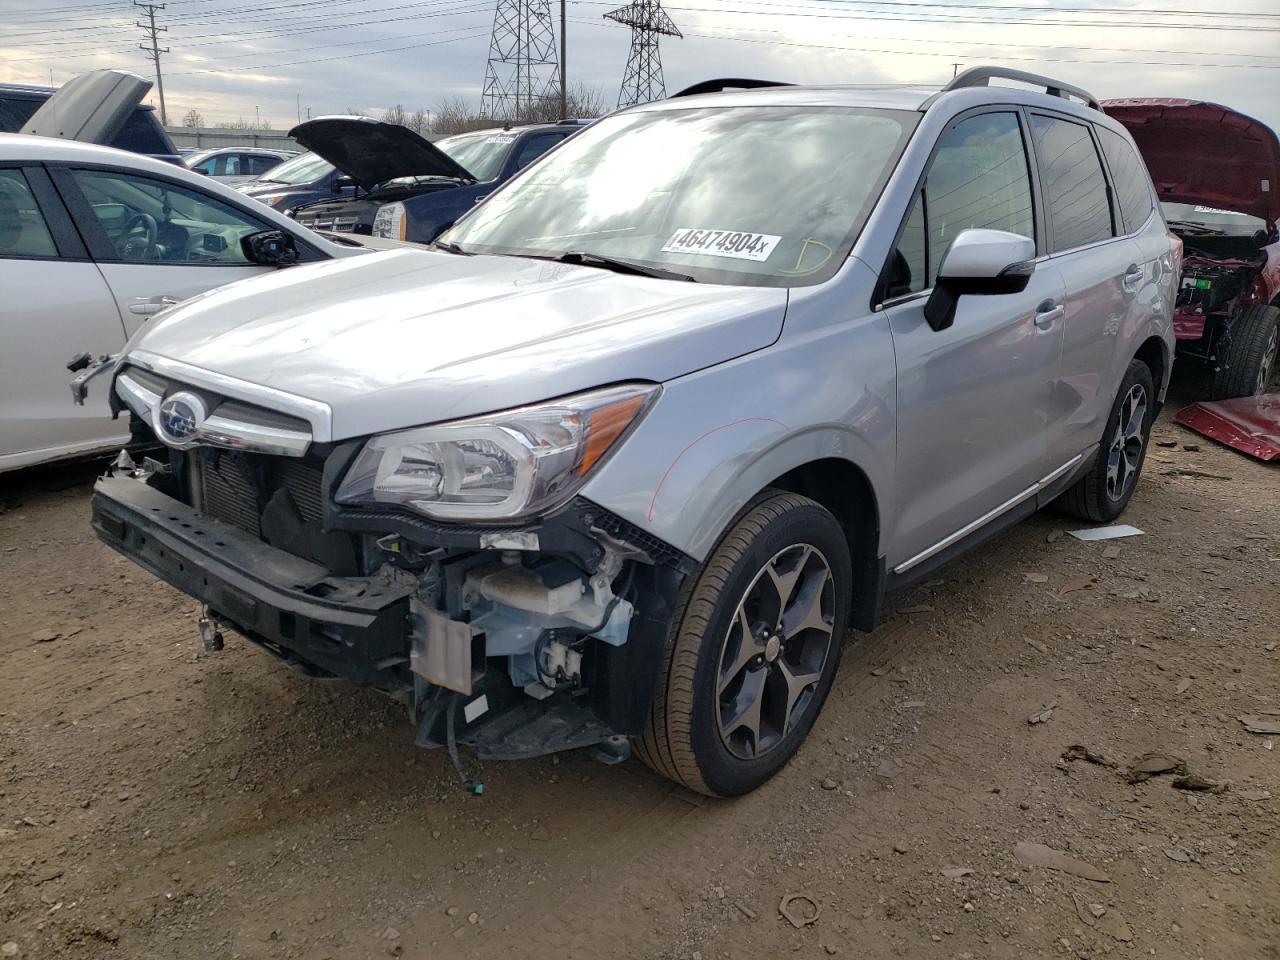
column 259, row 164
column 1129, row 174
column 1075, row 187
column 978, row 178
column 15, row 112
column 535, row 147
column 23, row 230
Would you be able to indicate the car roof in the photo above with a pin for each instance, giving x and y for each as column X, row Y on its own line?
column 881, row 97
column 29, row 91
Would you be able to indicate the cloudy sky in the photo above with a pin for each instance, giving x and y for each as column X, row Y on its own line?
column 230, row 58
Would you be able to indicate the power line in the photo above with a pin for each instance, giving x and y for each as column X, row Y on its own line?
column 152, row 32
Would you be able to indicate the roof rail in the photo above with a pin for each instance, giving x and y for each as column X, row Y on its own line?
column 727, row 83
column 981, row 77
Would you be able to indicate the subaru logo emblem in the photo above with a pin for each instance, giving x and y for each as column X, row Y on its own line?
column 179, row 419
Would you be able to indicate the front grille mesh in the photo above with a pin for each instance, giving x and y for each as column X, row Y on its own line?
column 228, row 492
column 235, row 487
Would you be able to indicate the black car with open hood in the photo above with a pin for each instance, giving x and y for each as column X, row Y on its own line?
column 388, row 164
column 383, row 161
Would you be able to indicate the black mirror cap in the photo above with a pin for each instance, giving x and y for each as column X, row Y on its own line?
column 341, row 183
column 270, row 248
column 940, row 308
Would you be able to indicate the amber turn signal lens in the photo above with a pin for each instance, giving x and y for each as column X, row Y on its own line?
column 604, row 426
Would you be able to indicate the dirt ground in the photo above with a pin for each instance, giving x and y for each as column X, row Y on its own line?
column 158, row 802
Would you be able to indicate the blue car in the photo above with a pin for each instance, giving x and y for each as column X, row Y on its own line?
column 409, row 188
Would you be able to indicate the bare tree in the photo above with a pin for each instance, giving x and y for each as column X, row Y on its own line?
column 456, row 115
column 242, row 124
column 193, row 119
column 396, row 114
column 419, row 123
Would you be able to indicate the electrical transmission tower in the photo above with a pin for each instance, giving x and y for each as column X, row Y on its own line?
column 522, row 71
column 152, row 47
column 642, row 81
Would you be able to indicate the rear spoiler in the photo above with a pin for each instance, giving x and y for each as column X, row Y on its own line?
column 91, row 107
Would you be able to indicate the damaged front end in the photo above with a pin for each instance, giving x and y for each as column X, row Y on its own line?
column 519, row 637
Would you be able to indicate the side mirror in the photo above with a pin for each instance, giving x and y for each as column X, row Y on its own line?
column 341, row 183
column 982, row 262
column 270, row 248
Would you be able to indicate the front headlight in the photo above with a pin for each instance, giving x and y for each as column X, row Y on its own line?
column 272, row 199
column 504, row 466
column 390, row 221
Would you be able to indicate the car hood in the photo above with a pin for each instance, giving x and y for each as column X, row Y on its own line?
column 1205, row 153
column 401, row 338
column 370, row 151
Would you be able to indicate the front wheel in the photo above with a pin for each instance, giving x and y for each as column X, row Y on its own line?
column 753, row 650
column 1102, row 494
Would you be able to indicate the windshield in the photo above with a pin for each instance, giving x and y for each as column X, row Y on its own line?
column 754, row 195
column 307, row 168
column 1223, row 221
column 481, row 153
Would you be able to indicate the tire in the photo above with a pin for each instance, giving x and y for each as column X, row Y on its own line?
column 713, row 666
column 1250, row 357
column 1102, row 494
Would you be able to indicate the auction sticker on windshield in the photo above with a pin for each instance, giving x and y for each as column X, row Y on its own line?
column 722, row 243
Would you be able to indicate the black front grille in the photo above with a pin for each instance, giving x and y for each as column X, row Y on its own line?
column 236, row 487
column 228, row 491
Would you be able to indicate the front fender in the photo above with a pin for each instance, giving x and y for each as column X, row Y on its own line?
column 716, row 438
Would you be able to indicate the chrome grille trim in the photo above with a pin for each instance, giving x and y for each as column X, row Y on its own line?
column 316, row 413
column 214, row 430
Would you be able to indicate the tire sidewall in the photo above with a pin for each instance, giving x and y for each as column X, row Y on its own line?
column 723, row 773
column 1138, row 373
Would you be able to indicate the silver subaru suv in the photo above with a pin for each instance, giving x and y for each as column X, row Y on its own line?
column 620, row 461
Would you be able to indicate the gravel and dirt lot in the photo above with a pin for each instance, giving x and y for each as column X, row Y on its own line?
column 158, row 802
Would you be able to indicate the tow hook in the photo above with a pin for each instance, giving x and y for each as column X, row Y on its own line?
column 210, row 635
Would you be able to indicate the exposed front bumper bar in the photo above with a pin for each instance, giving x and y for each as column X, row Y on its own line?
column 352, row 627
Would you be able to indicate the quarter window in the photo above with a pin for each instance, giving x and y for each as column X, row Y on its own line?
column 978, row 178
column 23, row 231
column 1074, row 185
column 155, row 220
column 1133, row 185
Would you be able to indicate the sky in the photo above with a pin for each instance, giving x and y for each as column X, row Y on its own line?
column 236, row 59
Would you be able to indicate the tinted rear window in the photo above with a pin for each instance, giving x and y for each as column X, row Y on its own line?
column 1074, row 184
column 142, row 134
column 1133, row 190
column 15, row 112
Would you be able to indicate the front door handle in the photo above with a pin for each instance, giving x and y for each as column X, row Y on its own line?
column 1049, row 313
column 144, row 307
column 1132, row 278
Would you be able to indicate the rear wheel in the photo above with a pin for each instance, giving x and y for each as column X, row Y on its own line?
column 753, row 650
column 1249, row 361
column 1102, row 494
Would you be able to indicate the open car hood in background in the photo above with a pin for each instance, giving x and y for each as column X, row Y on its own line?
column 91, row 107
column 1205, row 153
column 371, row 152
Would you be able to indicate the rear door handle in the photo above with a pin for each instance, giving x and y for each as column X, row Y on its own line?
column 1133, row 278
column 1049, row 313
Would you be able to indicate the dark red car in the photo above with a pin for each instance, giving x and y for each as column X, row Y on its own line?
column 1217, row 173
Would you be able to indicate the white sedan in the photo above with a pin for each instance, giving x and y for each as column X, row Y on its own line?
column 93, row 241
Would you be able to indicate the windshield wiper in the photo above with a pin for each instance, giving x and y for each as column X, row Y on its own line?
column 619, row 266
column 448, row 246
